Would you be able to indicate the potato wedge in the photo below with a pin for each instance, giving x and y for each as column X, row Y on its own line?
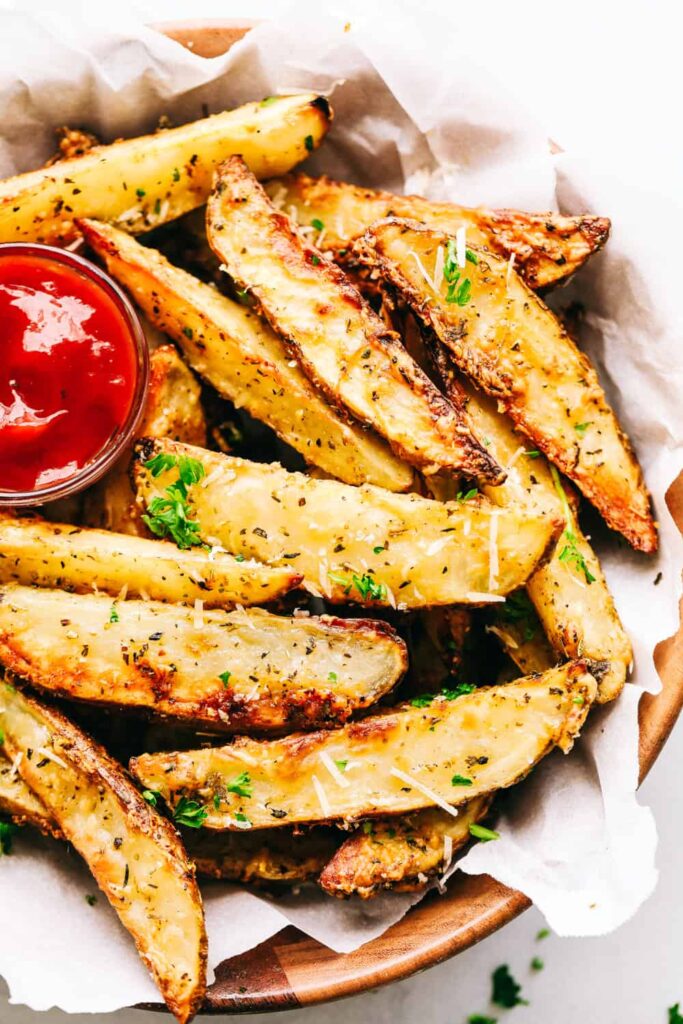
column 547, row 247
column 172, row 409
column 397, row 762
column 400, row 853
column 152, row 179
column 38, row 553
column 246, row 362
column 135, row 855
column 20, row 802
column 569, row 591
column 228, row 670
column 358, row 544
column 342, row 345
column 263, row 856
column 502, row 336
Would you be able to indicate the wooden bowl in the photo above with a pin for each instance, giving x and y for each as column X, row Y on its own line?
column 291, row 970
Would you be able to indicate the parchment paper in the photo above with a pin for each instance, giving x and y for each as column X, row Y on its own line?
column 416, row 113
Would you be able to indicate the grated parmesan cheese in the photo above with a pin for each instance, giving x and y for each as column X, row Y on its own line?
column 520, row 451
column 481, row 595
column 505, row 637
column 447, row 851
column 429, row 793
column 421, row 268
column 508, row 274
column 461, row 246
column 438, row 268
column 322, row 796
column 333, row 770
column 51, row 756
column 123, row 593
column 211, row 477
column 493, row 551
column 198, row 613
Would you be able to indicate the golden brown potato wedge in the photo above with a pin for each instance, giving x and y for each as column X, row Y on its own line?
column 134, row 854
column 263, row 856
column 569, row 591
column 408, row 758
column 510, row 344
column 172, row 409
column 400, row 853
column 359, row 544
column 73, row 558
column 547, row 246
column 21, row 803
column 228, row 670
column 342, row 345
column 152, row 179
column 245, row 361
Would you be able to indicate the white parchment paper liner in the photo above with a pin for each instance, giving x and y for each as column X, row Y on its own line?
column 412, row 112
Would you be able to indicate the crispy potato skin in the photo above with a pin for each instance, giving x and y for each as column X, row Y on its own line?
column 400, row 853
column 229, row 346
column 510, row 344
column 423, row 552
column 263, row 856
column 172, row 409
column 493, row 736
column 134, row 854
column 342, row 345
column 547, row 247
column 38, row 553
column 281, row 672
column 579, row 618
column 21, row 804
column 146, row 181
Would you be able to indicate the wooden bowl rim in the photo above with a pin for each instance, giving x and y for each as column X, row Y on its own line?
column 290, row 970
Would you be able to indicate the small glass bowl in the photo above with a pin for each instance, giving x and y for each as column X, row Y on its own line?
column 117, row 443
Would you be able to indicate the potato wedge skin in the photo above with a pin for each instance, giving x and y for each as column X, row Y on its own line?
column 510, row 344
column 134, row 854
column 21, row 804
column 231, row 671
column 400, row 853
column 146, row 181
column 229, row 346
column 263, row 856
column 517, row 724
column 547, row 247
column 342, row 345
column 38, row 553
column 172, row 409
column 578, row 617
column 350, row 542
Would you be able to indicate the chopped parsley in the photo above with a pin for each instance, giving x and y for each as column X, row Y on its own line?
column 189, row 813
column 505, row 990
column 581, row 428
column 366, row 586
column 2, row 737
column 157, row 206
column 378, row 549
column 151, row 796
column 308, row 143
column 7, row 833
column 459, row 287
column 532, row 453
column 240, row 785
column 578, row 700
column 459, row 690
column 176, row 174
column 478, row 1018
column 243, row 820
column 169, row 516
column 188, row 332
column 113, row 614
column 317, row 224
column 570, row 553
column 518, row 608
column 332, row 677
column 315, row 260
column 91, row 900
column 268, row 100
column 460, row 780
column 225, row 678
column 140, row 193
column 423, row 700
column 341, row 765
column 242, row 296
column 485, row 835
column 471, row 257
column 675, row 1016
column 463, row 496
column 543, row 934
column 368, row 828
column 537, row 964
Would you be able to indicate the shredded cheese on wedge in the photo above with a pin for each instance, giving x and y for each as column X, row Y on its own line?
column 51, row 756
column 481, row 595
column 425, row 790
column 447, row 851
column 461, row 246
column 438, row 268
column 322, row 796
column 333, row 770
column 505, row 637
column 421, row 268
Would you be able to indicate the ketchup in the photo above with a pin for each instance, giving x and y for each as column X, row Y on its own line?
column 68, row 370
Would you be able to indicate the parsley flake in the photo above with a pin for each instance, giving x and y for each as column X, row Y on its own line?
column 140, row 193
column 169, row 516
column 518, row 608
column 332, row 677
column 151, row 796
column 189, row 813
column 537, row 964
column 478, row 1018
column 463, row 496
column 176, row 174
column 308, row 143
column 7, row 833
column 225, row 678
column 532, row 453
column 240, row 785
column 159, row 463
column 268, row 101
column 422, row 701
column 581, row 428
column 341, row 765
column 543, row 934
column 506, row 991
column 317, row 224
column 243, row 820
column 570, row 553
column 460, row 780
column 113, row 613
column 91, row 900
column 188, row 332
column 368, row 828
column 675, row 1016
column 485, row 835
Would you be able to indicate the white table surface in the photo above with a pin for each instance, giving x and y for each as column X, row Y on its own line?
column 604, row 74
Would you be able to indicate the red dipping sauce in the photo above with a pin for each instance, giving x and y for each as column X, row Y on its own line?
column 73, row 366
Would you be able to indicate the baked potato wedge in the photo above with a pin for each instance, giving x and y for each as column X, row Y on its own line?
column 569, row 591
column 400, row 853
column 20, row 803
column 547, row 247
column 135, row 855
column 403, row 760
column 245, row 669
column 341, row 343
column 45, row 554
column 245, row 361
column 358, row 544
column 262, row 856
column 510, row 344
column 145, row 181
